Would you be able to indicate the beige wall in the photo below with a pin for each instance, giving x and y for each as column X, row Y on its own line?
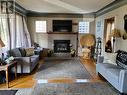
column 41, row 38
column 119, row 14
column 46, row 40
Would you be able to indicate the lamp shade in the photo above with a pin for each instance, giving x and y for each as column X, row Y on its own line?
column 116, row 33
column 87, row 40
column 1, row 43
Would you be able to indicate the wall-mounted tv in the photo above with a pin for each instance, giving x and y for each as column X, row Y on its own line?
column 62, row 25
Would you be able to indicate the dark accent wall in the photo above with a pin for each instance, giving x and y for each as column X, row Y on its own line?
column 37, row 14
column 114, row 5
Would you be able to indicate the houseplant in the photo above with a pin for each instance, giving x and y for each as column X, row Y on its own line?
column 72, row 52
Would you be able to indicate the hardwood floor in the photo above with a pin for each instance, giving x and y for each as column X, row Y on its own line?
column 90, row 65
column 27, row 81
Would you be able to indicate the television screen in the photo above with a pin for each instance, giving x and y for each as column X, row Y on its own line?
column 62, row 25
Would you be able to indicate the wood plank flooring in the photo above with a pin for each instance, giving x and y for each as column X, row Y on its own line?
column 27, row 81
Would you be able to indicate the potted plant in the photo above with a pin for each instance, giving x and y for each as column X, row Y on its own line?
column 50, row 52
column 72, row 52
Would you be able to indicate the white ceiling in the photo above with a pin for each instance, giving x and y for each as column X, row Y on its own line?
column 64, row 6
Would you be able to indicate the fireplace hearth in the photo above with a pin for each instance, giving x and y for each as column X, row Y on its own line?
column 61, row 46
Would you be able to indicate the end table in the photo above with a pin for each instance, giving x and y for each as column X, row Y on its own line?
column 6, row 68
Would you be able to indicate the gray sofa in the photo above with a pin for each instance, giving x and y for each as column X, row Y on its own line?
column 26, row 64
column 114, row 74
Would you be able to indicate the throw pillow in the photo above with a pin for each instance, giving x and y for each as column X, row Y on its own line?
column 23, row 52
column 110, row 58
column 29, row 51
column 14, row 52
column 121, row 59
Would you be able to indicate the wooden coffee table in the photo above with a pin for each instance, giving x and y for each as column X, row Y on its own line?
column 6, row 68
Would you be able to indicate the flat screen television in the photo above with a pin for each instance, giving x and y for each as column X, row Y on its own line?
column 62, row 25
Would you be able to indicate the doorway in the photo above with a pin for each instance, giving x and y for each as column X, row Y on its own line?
column 109, row 26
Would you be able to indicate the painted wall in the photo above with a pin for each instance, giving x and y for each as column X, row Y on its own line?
column 119, row 24
column 45, row 40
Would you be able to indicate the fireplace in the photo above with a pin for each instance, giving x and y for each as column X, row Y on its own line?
column 61, row 46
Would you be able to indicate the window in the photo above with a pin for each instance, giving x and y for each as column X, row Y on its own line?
column 83, row 27
column 41, row 26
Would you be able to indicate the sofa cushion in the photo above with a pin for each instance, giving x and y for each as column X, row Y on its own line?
column 29, row 51
column 107, row 65
column 114, row 72
column 22, row 51
column 15, row 53
column 110, row 58
column 121, row 59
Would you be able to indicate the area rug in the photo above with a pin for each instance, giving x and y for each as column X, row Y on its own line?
column 25, row 91
column 62, row 68
column 74, row 89
column 8, row 92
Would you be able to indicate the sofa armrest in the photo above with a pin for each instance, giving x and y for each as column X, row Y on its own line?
column 34, row 56
column 24, row 59
column 123, row 80
column 100, row 59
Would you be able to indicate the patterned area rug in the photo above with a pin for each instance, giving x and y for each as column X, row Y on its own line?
column 74, row 89
column 25, row 91
column 8, row 92
column 62, row 68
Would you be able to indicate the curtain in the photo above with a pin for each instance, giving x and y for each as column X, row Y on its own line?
column 19, row 32
column 27, row 34
column 14, row 32
column 4, row 32
column 22, row 35
column 108, row 32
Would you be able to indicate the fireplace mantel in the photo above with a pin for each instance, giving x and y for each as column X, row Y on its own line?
column 74, row 33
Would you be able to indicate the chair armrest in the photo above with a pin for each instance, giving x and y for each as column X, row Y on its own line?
column 100, row 59
column 123, row 80
column 24, row 59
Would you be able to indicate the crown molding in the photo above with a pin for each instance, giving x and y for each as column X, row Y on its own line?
column 114, row 5
column 20, row 9
column 66, row 15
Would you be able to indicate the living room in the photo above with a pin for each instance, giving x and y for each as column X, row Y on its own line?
column 63, row 47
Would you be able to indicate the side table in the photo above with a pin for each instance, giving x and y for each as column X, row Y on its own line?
column 6, row 68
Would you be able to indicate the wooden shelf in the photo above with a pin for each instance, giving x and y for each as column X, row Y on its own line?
column 62, row 32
